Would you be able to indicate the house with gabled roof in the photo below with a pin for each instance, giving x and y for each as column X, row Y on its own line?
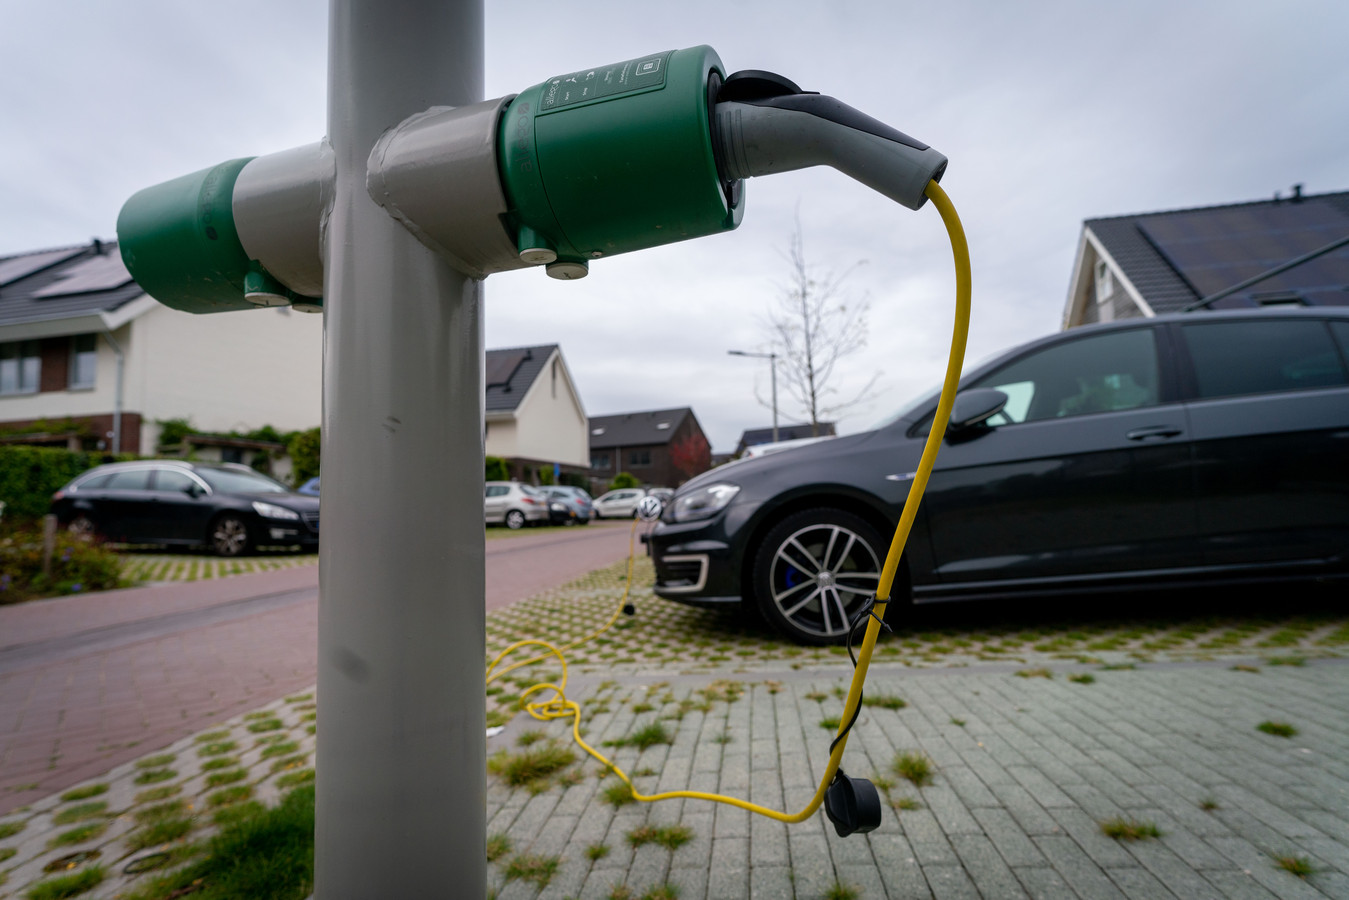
column 535, row 419
column 1290, row 250
column 660, row 447
column 90, row 361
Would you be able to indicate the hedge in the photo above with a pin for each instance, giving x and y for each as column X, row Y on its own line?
column 30, row 475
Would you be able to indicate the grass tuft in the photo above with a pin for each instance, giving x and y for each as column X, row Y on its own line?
column 1300, row 866
column 1122, row 829
column 498, row 845
column 913, row 766
column 671, row 837
column 79, row 812
column 885, row 701
column 619, row 794
column 1082, row 678
column 84, row 793
column 536, row 869
column 1278, row 729
column 597, row 852
column 78, row 835
column 533, row 767
column 64, row 886
column 1034, row 673
column 840, row 891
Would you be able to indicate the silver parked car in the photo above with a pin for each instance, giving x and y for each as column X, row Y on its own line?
column 619, row 504
column 513, row 504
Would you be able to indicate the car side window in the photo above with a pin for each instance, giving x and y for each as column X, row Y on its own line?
column 130, row 480
column 496, row 490
column 1099, row 373
column 97, row 482
column 172, row 480
column 1235, row 358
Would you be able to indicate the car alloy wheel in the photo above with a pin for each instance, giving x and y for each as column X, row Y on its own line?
column 515, row 520
column 814, row 571
column 229, row 536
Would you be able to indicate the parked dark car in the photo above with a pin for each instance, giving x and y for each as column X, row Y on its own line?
column 228, row 508
column 568, row 505
column 1159, row 452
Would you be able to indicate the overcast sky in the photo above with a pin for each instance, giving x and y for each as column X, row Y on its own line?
column 1050, row 113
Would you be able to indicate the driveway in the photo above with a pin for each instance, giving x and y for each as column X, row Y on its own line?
column 87, row 682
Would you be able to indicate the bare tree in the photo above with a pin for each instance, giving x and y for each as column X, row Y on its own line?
column 814, row 326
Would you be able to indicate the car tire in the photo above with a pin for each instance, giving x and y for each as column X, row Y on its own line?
column 230, row 536
column 515, row 520
column 82, row 527
column 814, row 571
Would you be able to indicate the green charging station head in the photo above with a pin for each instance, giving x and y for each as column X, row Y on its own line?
column 179, row 242
column 614, row 159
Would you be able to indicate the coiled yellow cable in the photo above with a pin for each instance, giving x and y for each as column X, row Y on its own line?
column 558, row 706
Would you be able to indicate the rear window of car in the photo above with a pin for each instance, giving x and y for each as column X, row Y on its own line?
column 128, row 480
column 1263, row 357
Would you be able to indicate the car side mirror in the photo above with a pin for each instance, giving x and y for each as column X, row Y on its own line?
column 974, row 407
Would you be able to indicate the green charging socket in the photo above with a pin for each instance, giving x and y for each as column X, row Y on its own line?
column 614, row 159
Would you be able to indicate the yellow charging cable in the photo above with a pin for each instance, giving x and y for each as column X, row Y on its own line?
column 558, row 706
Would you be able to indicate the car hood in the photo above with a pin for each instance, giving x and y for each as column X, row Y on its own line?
column 749, row 468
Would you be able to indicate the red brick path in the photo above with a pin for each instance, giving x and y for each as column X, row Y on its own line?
column 89, row 682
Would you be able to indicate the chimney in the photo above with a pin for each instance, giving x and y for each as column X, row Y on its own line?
column 1297, row 193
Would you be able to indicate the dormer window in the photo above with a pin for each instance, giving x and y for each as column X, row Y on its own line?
column 1105, row 281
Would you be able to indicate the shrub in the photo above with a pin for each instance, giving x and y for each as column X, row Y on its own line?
column 623, row 480
column 78, row 565
column 30, row 475
column 303, row 449
column 496, row 469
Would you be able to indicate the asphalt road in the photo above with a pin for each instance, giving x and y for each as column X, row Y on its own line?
column 88, row 682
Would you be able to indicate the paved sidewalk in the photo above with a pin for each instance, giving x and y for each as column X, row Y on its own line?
column 1033, row 745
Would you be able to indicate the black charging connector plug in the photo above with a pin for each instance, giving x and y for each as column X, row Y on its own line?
column 852, row 804
column 629, row 609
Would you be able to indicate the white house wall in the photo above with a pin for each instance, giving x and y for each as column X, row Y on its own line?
column 500, row 438
column 57, row 405
column 550, row 423
column 233, row 371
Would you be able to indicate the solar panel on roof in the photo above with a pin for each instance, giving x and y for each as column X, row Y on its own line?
column 16, row 267
column 1214, row 249
column 501, row 365
column 97, row 273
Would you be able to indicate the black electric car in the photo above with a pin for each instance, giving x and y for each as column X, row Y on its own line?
column 227, row 507
column 1152, row 452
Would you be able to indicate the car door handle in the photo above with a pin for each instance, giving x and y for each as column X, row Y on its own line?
column 1153, row 432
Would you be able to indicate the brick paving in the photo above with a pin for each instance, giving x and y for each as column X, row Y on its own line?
column 1030, row 755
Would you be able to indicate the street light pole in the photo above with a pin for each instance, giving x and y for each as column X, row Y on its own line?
column 773, row 369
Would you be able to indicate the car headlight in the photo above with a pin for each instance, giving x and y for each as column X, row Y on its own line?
column 271, row 511
column 702, row 503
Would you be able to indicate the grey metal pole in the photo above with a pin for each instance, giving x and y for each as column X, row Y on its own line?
column 401, row 749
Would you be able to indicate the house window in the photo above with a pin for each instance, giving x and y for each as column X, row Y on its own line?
column 83, row 361
column 599, row 460
column 20, row 367
column 1105, row 281
column 639, row 457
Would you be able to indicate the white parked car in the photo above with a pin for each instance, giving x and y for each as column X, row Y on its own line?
column 619, row 504
column 514, row 504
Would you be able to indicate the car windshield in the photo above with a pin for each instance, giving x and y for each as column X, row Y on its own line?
column 233, row 481
column 905, row 410
column 530, row 491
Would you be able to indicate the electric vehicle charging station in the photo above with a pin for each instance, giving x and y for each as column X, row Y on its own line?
column 388, row 227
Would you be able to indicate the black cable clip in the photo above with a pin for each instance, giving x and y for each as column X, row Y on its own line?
column 852, row 804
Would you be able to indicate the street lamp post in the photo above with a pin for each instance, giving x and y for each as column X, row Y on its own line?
column 773, row 368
